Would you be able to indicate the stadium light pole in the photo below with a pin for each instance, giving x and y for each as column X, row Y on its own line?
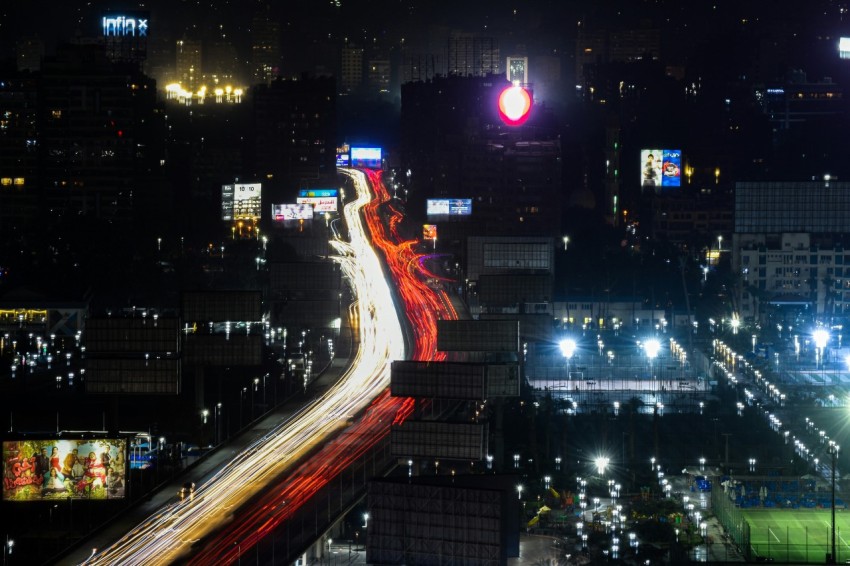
column 832, row 450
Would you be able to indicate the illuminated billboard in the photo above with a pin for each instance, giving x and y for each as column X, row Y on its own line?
column 343, row 160
column 120, row 25
column 660, row 168
column 247, row 201
column 318, row 193
column 369, row 157
column 241, row 201
column 319, row 204
column 844, row 48
column 515, row 105
column 429, row 231
column 38, row 470
column 286, row 212
column 448, row 207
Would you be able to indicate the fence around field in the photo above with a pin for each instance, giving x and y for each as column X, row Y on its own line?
column 786, row 519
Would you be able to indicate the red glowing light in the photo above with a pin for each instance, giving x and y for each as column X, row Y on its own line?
column 514, row 105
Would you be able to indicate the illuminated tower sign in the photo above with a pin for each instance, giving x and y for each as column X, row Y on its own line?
column 514, row 105
column 125, row 35
column 122, row 26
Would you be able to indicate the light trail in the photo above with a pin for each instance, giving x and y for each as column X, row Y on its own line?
column 279, row 504
column 168, row 535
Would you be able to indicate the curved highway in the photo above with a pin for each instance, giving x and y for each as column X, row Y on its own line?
column 170, row 534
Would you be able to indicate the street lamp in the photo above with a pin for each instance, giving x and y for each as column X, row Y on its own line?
column 821, row 338
column 217, row 411
column 601, row 463
column 365, row 520
column 566, row 240
column 651, row 348
column 702, row 464
column 204, row 415
column 519, row 491
column 832, row 450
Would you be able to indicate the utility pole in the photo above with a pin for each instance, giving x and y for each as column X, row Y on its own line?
column 726, row 457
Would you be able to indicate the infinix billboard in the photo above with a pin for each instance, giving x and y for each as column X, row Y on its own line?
column 660, row 168
column 49, row 469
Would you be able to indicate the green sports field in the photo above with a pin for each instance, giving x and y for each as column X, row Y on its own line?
column 798, row 536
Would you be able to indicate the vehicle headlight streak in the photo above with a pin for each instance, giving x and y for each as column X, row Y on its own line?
column 165, row 536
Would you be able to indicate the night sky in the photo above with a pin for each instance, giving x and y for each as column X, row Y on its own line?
column 535, row 24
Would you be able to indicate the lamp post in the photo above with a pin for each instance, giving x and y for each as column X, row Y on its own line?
column 217, row 411
column 568, row 348
column 832, row 450
column 651, row 348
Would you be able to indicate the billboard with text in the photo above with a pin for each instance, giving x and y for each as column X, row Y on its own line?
column 241, row 201
column 660, row 168
column 448, row 207
column 51, row 469
column 319, row 204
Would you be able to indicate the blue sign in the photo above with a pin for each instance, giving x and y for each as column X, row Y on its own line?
column 318, row 193
column 671, row 164
column 123, row 26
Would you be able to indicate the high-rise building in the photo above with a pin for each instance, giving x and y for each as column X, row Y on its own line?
column 351, row 68
column 789, row 246
column 188, row 61
column 516, row 70
column 29, row 53
column 19, row 150
column 295, row 132
column 265, row 48
column 473, row 55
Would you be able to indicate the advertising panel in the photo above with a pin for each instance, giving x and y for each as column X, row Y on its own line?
column 125, row 25
column 38, row 470
column 844, row 48
column 343, row 160
column 448, row 207
column 318, row 193
column 319, row 204
column 227, row 202
column 369, row 157
column 247, row 201
column 460, row 207
column 429, row 231
column 660, row 168
column 437, row 207
column 286, row 212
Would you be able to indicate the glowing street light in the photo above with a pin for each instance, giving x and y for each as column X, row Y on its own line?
column 601, row 463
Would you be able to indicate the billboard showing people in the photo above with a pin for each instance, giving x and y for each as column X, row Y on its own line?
column 660, row 168
column 35, row 470
column 286, row 212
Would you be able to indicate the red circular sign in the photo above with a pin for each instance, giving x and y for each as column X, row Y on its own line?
column 514, row 105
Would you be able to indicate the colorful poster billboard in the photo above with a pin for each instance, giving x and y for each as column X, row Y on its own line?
column 369, row 157
column 660, row 168
column 448, row 207
column 429, row 231
column 38, row 470
column 287, row 212
column 319, row 204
